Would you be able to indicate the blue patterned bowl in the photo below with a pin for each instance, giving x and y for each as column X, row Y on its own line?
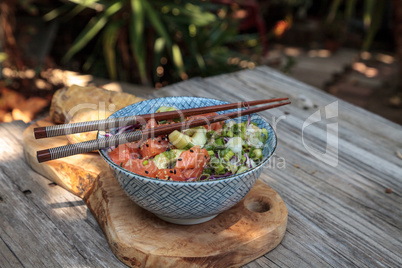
column 187, row 202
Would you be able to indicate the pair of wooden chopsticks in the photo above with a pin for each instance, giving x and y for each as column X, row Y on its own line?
column 88, row 146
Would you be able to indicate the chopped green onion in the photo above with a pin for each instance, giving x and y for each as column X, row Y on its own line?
column 220, row 169
column 145, row 162
column 223, row 152
column 211, row 134
column 228, row 155
column 214, row 162
column 219, row 142
column 207, row 171
column 209, row 147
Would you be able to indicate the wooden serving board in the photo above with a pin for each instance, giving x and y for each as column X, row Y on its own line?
column 138, row 238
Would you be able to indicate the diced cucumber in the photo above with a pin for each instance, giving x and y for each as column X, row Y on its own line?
column 199, row 137
column 235, row 144
column 195, row 136
column 180, row 140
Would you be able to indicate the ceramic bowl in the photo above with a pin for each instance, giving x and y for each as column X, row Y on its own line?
column 187, row 202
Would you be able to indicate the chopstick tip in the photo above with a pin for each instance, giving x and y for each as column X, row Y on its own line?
column 40, row 132
column 43, row 155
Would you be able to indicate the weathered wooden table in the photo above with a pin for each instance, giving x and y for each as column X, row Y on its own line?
column 337, row 167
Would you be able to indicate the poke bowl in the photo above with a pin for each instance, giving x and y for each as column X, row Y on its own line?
column 196, row 198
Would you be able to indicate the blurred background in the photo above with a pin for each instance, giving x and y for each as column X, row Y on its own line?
column 348, row 48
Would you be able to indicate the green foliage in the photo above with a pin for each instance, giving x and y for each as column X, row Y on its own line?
column 169, row 40
column 373, row 13
column 3, row 56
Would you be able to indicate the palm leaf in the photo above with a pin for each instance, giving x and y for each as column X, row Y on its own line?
column 333, row 10
column 376, row 16
column 74, row 12
column 350, row 8
column 190, row 14
column 157, row 23
column 93, row 4
column 109, row 43
column 368, row 12
column 92, row 29
column 56, row 12
column 137, row 37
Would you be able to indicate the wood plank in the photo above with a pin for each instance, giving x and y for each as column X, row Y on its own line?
column 48, row 227
column 338, row 216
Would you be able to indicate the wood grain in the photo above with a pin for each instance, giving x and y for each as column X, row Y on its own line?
column 42, row 225
column 338, row 216
column 253, row 227
column 75, row 173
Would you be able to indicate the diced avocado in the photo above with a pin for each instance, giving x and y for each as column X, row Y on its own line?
column 193, row 136
column 176, row 154
column 165, row 109
column 200, row 136
column 162, row 160
column 241, row 169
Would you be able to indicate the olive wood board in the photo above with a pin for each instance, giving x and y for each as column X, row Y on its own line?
column 250, row 229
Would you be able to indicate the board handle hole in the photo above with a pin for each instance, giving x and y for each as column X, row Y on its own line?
column 258, row 204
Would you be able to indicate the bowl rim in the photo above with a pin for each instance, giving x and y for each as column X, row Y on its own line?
column 259, row 165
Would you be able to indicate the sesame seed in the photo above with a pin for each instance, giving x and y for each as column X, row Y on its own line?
column 179, row 159
column 174, row 171
column 147, row 145
column 192, row 151
column 146, row 172
column 171, row 171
